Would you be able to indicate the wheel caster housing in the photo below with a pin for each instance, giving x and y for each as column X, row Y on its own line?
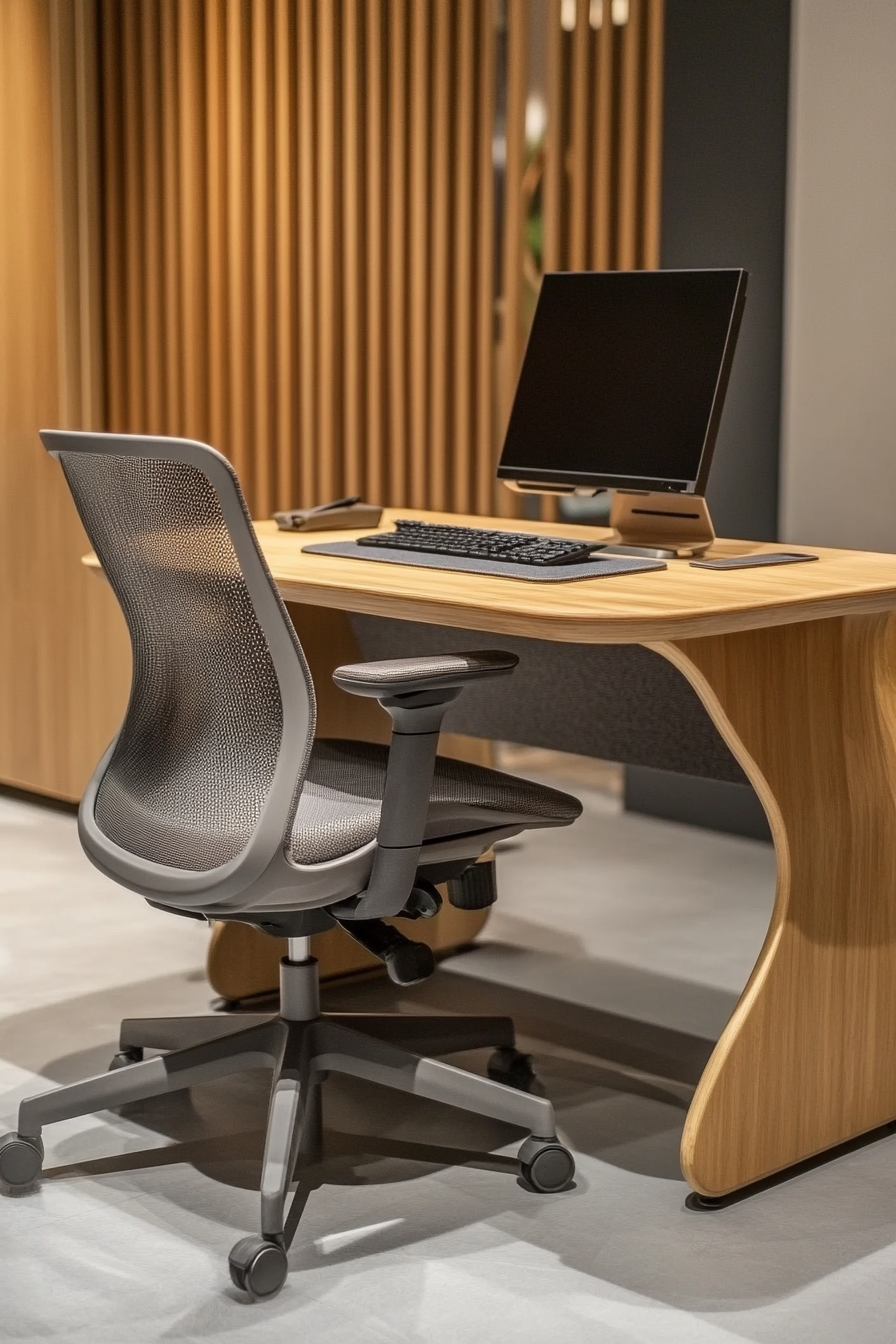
column 546, row 1166
column 258, row 1267
column 20, row 1162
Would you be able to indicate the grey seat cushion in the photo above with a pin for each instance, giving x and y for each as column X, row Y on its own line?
column 339, row 808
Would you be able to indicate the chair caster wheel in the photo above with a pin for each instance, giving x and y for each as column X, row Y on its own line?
column 258, row 1267
column 512, row 1068
column 20, row 1162
column 134, row 1055
column 546, row 1166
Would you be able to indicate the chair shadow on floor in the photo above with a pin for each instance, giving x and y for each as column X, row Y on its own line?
column 621, row 1089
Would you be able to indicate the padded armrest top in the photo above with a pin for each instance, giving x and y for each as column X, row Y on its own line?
column 398, row 676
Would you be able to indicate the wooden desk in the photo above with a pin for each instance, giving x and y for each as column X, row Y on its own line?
column 796, row 666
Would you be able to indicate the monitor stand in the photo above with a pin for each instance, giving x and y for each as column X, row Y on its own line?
column 659, row 525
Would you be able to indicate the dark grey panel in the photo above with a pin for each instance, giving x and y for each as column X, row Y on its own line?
column 618, row 702
column 726, row 75
column 712, row 803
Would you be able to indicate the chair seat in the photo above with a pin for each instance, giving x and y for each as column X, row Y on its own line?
column 339, row 807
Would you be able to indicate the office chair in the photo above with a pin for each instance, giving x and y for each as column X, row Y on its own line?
column 215, row 801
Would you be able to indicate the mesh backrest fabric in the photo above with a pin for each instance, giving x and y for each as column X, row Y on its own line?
column 196, row 755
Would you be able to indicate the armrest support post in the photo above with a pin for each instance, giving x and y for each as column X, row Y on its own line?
column 416, row 692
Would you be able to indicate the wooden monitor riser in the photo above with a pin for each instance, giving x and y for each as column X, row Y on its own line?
column 797, row 668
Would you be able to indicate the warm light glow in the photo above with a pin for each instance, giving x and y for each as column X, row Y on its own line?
column 569, row 11
column 536, row 119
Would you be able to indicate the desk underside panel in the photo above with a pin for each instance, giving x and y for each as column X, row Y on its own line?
column 619, row 702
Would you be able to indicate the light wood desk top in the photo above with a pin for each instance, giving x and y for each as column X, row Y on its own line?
column 675, row 603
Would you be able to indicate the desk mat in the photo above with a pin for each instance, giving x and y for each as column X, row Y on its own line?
column 597, row 568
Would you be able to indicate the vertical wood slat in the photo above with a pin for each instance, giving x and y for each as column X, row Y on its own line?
column 653, row 136
column 133, row 214
column 327, row 254
column 554, row 168
column 237, row 377
column 579, row 137
column 352, row 249
column 630, row 139
column 113, row 218
column 438, row 309
column 602, row 145
column 555, row 241
column 67, row 152
column 90, row 295
column 396, row 167
column 418, row 250
column 146, row 129
column 463, row 337
column 215, row 155
column 512, row 334
column 76, row 146
column 171, row 116
column 483, row 471
column 192, row 308
column 285, row 288
column 513, row 224
column 308, row 274
column 262, row 298
column 375, row 208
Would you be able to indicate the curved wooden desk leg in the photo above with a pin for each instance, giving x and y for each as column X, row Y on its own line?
column 808, row 1059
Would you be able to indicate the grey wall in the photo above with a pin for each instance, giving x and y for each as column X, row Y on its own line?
column 839, row 458
column 723, row 204
column 724, row 200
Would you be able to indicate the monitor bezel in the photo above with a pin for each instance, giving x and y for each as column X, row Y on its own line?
column 598, row 481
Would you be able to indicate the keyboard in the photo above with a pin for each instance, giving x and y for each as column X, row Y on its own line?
column 517, row 548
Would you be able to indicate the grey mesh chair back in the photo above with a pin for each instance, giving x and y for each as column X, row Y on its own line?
column 199, row 788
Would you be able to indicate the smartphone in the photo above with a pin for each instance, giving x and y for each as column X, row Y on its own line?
column 751, row 561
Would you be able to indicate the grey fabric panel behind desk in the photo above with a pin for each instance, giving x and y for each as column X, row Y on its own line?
column 619, row 702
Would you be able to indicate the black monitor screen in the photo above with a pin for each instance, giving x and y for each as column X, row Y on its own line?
column 623, row 378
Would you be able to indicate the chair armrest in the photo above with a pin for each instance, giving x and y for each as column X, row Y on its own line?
column 441, row 671
column 417, row 693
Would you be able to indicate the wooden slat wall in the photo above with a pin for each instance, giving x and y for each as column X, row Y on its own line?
column 299, row 254
column 604, row 135
column 300, row 215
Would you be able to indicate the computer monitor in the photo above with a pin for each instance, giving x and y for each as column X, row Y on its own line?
column 622, row 388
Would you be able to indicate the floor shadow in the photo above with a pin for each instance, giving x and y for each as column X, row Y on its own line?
column 621, row 1089
column 612, row 1037
column 593, row 1066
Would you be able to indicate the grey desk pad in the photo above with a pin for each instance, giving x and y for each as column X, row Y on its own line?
column 589, row 569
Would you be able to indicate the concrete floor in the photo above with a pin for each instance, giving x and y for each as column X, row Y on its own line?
column 619, row 946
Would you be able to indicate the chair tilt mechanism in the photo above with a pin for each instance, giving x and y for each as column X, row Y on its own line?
column 216, row 801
